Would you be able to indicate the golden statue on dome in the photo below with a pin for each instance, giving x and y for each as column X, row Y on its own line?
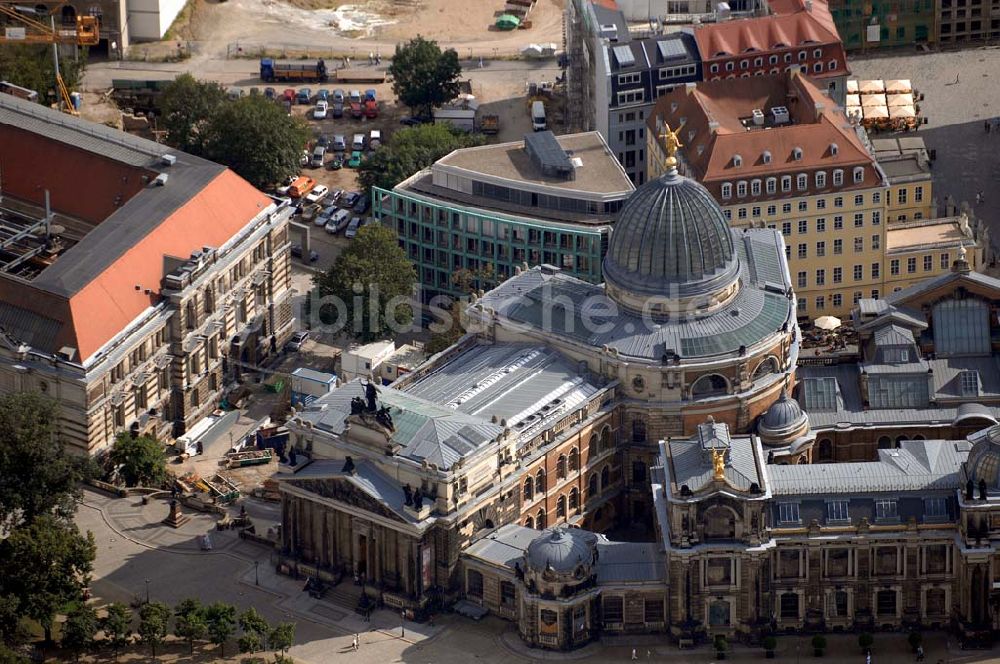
column 670, row 144
column 719, row 464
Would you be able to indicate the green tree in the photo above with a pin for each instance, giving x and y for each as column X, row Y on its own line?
column 371, row 284
column 154, row 620
column 283, row 659
column 255, row 631
column 424, row 76
column 465, row 281
column 189, row 623
column 140, row 460
column 13, row 631
column 8, row 656
column 221, row 621
column 117, row 626
column 256, row 139
column 411, row 150
column 187, row 105
column 282, row 637
column 79, row 629
column 46, row 566
column 40, row 477
column 31, row 66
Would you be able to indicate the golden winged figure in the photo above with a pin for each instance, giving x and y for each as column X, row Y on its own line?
column 670, row 144
column 719, row 464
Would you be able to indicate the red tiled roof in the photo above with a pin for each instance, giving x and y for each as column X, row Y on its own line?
column 721, row 105
column 109, row 303
column 607, row 4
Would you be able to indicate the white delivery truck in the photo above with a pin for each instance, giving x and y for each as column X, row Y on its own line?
column 538, row 116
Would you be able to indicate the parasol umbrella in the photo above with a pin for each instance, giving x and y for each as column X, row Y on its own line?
column 828, row 323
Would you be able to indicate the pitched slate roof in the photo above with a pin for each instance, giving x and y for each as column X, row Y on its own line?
column 425, row 431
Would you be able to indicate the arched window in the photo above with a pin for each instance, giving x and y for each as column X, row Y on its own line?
column 720, row 523
column 594, row 447
column 606, row 439
column 561, row 467
column 919, row 437
column 574, row 499
column 529, row 523
column 593, row 488
column 529, row 488
column 639, row 430
column 540, row 481
column 884, row 443
column 712, row 385
column 900, row 439
column 68, row 15
column 540, row 519
column 825, row 451
column 605, row 477
column 561, row 507
column 474, row 584
column 574, row 460
column 768, row 366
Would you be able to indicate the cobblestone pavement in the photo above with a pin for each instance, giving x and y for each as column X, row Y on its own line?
column 961, row 90
column 133, row 547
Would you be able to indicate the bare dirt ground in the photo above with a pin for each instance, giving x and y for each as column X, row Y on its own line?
column 357, row 28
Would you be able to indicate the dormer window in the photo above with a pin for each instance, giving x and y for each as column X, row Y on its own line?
column 741, row 188
column 691, row 133
column 859, row 174
column 818, row 53
column 673, row 107
column 766, row 157
column 737, row 161
column 797, row 154
column 838, row 177
column 834, row 149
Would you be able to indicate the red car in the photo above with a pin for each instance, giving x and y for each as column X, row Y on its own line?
column 288, row 95
column 371, row 109
column 356, row 111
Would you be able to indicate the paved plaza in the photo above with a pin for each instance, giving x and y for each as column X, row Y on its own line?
column 961, row 90
column 133, row 546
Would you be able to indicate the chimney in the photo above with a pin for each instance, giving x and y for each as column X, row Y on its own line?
column 689, row 88
column 809, row 5
column 819, row 111
column 713, row 126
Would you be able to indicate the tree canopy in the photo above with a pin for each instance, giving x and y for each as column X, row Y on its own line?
column 117, row 626
column 79, row 629
column 368, row 289
column 46, row 566
column 411, row 150
column 154, row 619
column 37, row 475
column 254, row 137
column 221, row 621
column 282, row 636
column 31, row 66
column 189, row 623
column 424, row 76
column 140, row 460
column 186, row 105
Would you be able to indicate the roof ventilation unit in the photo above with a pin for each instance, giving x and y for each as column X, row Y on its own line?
column 610, row 32
column 168, row 159
column 780, row 115
column 160, row 180
column 758, row 117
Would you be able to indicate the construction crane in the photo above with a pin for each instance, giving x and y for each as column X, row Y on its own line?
column 22, row 28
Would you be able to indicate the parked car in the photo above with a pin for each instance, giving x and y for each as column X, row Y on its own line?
column 339, row 143
column 304, row 96
column 323, row 140
column 334, row 196
column 371, row 109
column 338, row 95
column 304, row 158
column 370, row 94
column 318, row 155
column 270, row 94
column 297, row 252
column 356, row 111
column 361, row 206
column 350, row 198
column 336, row 163
column 355, row 96
column 283, row 189
column 359, row 142
column 325, row 215
column 301, row 186
column 288, row 95
column 297, row 341
column 355, row 160
column 338, row 221
column 317, row 194
column 413, row 121
column 322, row 95
column 352, row 228
column 309, row 212
column 319, row 113
column 375, row 139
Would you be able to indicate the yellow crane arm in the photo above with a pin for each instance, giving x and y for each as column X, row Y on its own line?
column 86, row 31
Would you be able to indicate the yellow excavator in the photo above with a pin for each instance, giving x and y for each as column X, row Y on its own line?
column 25, row 25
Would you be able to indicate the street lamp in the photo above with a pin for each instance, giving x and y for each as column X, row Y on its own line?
column 402, row 624
column 256, row 578
column 147, row 591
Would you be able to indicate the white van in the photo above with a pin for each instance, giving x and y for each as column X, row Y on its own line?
column 537, row 116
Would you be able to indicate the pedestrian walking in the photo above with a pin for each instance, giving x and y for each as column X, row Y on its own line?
column 868, row 657
column 996, row 125
column 980, row 197
column 378, row 60
column 986, row 126
column 920, row 653
column 354, row 643
column 371, row 58
column 649, row 655
column 634, row 656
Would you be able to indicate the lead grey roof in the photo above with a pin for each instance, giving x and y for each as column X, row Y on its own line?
column 425, row 431
column 504, row 546
column 926, row 285
column 561, row 549
column 629, row 562
column 131, row 222
column 918, row 465
column 534, row 298
column 671, row 240
column 893, row 335
column 691, row 462
column 526, row 385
